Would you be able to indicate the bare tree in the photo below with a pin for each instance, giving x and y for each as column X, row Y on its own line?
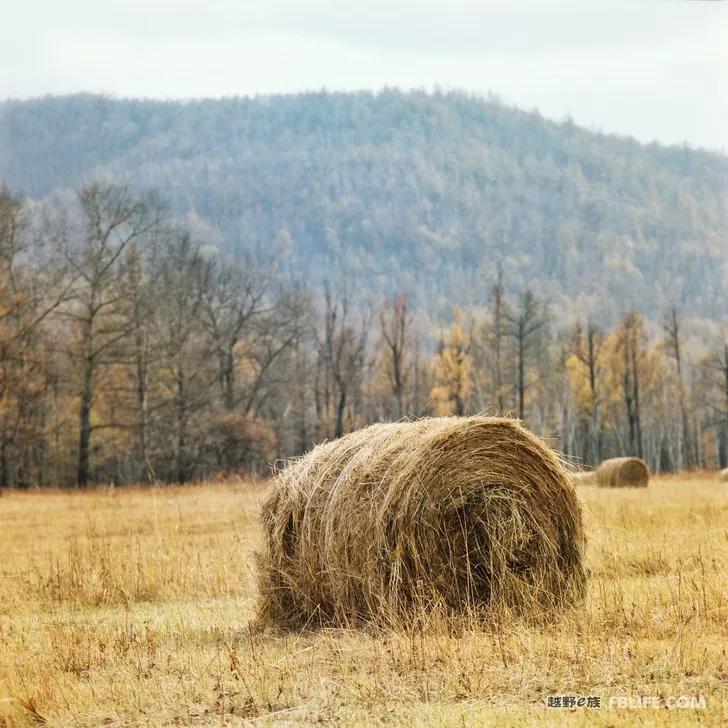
column 17, row 368
column 588, row 349
column 111, row 220
column 395, row 323
column 233, row 299
column 527, row 322
column 141, row 297
column 630, row 337
column 182, row 278
column 342, row 349
column 30, row 292
column 498, row 333
column 671, row 327
column 714, row 369
column 277, row 331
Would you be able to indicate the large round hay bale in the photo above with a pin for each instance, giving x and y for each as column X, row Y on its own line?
column 617, row 472
column 723, row 475
column 466, row 516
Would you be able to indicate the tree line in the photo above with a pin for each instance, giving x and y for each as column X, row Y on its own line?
column 129, row 352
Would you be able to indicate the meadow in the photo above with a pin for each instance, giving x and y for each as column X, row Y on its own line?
column 133, row 606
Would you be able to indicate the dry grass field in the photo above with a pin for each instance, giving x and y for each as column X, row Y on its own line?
column 132, row 607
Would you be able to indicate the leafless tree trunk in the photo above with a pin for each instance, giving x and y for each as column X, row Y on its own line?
column 182, row 278
column 142, row 297
column 715, row 373
column 499, row 332
column 394, row 325
column 112, row 219
column 672, row 331
column 588, row 348
column 342, row 348
column 630, row 342
column 233, row 299
column 527, row 322
column 29, row 294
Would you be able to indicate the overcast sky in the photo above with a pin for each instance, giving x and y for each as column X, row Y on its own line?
column 655, row 69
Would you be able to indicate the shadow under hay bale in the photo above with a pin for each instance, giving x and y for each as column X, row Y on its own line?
column 583, row 477
column 618, row 472
column 461, row 516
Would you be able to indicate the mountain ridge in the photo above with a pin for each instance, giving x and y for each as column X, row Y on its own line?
column 405, row 191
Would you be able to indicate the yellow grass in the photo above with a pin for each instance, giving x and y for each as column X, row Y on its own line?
column 131, row 607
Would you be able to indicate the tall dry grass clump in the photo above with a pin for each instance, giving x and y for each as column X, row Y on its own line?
column 617, row 472
column 465, row 516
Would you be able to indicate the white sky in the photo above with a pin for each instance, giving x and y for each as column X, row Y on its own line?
column 655, row 69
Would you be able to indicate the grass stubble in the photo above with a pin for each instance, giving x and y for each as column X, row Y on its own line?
column 134, row 607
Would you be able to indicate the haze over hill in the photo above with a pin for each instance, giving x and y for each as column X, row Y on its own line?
column 415, row 192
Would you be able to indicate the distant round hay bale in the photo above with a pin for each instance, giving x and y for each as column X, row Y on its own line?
column 468, row 516
column 583, row 477
column 617, row 472
column 723, row 475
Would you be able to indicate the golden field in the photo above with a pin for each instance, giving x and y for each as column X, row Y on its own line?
column 132, row 607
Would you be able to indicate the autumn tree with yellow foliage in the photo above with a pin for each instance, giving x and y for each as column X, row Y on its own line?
column 453, row 371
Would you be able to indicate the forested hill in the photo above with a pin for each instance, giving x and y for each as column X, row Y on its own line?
column 405, row 192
